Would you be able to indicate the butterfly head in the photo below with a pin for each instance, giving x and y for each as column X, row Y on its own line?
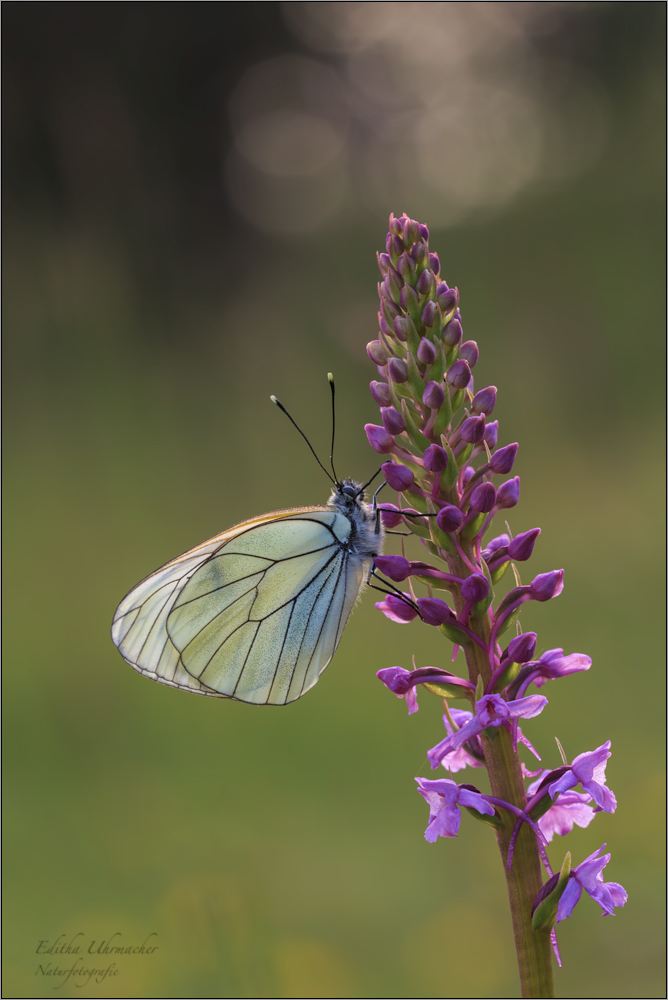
column 366, row 537
column 347, row 495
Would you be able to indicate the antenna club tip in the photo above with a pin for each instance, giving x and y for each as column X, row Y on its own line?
column 273, row 399
column 330, row 377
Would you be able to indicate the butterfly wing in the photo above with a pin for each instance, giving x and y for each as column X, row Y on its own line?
column 253, row 614
column 139, row 625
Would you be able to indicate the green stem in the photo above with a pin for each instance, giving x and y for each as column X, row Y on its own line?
column 524, row 880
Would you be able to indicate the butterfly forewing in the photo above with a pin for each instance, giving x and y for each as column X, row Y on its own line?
column 254, row 614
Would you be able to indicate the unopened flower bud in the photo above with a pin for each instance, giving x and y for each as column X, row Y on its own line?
column 467, row 475
column 426, row 352
column 395, row 247
column 522, row 648
column 397, row 369
column 449, row 518
column 393, row 282
column 522, row 545
column 475, row 588
column 459, row 375
column 425, row 282
column 472, row 430
column 435, row 459
column 469, row 351
column 491, row 435
column 389, row 309
column 396, row 567
column 400, row 327
column 406, row 268
column 429, row 311
column 384, row 262
column 385, row 326
column 482, row 498
column 508, row 493
column 547, row 585
column 396, row 226
column 390, row 515
column 377, row 352
column 484, row 401
column 434, row 262
column 495, row 546
column 448, row 298
column 452, row 332
column 398, row 477
column 434, row 611
column 433, row 395
column 503, row 460
column 420, row 255
column 424, row 233
column 379, row 439
column 381, row 393
column 411, row 232
column 408, row 299
column 393, row 422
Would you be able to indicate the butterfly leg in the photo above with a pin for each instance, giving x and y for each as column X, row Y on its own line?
column 375, row 508
column 394, row 592
column 400, row 596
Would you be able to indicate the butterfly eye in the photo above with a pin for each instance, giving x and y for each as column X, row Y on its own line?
column 349, row 491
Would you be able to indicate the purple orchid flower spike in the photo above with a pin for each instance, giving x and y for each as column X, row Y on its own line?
column 397, row 610
column 588, row 876
column 496, row 548
column 457, row 760
column 444, row 797
column 379, row 439
column 398, row 680
column 554, row 664
column 398, row 476
column 521, row 648
column 570, row 809
column 390, row 515
column 403, row 682
column 545, row 586
column 434, row 611
column 551, row 665
column 491, row 711
column 396, row 567
column 449, row 464
column 589, row 770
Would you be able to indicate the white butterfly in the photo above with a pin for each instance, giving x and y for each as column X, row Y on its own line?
column 256, row 612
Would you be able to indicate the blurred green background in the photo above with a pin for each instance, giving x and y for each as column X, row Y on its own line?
column 193, row 199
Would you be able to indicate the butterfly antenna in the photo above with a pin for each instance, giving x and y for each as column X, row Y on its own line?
column 330, row 378
column 368, row 483
column 295, row 424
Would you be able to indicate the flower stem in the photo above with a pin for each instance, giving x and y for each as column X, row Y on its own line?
column 523, row 880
